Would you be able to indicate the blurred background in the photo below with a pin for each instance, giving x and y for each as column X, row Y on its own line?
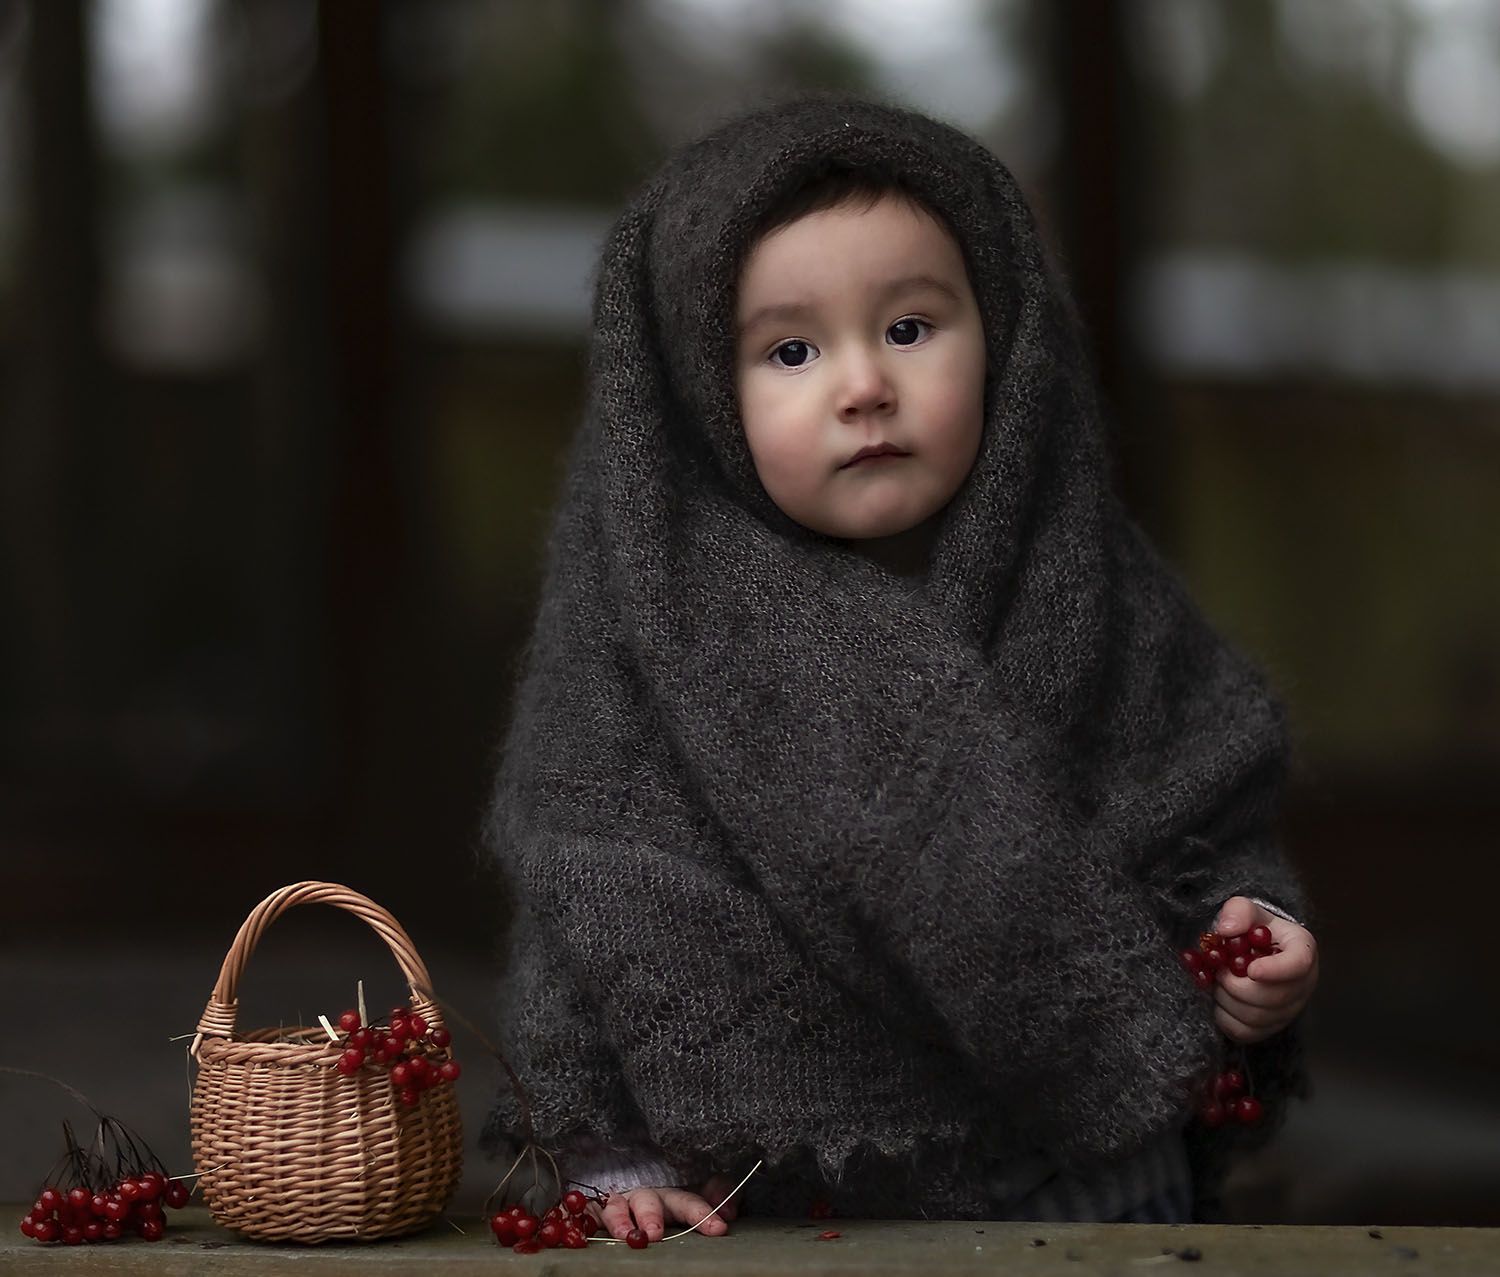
column 293, row 301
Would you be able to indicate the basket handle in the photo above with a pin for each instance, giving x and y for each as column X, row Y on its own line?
column 218, row 1018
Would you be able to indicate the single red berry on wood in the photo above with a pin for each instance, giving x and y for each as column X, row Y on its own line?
column 45, row 1232
column 129, row 1190
column 178, row 1194
column 636, row 1239
column 79, row 1198
column 112, row 1231
column 550, row 1233
column 1260, row 937
column 349, row 1021
column 350, row 1062
column 526, row 1224
column 449, row 1071
column 401, row 1075
column 411, row 1097
column 50, row 1198
column 152, row 1230
column 116, row 1209
column 416, row 1025
column 574, row 1202
column 28, row 1226
column 440, row 1036
column 93, row 1231
column 72, row 1235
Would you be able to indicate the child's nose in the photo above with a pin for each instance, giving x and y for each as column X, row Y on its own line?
column 864, row 385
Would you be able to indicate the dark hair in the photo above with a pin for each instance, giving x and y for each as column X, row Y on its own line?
column 840, row 184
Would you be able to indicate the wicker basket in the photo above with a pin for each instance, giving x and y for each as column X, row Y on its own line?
column 289, row 1149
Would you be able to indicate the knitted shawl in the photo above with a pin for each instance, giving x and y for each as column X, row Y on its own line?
column 884, row 887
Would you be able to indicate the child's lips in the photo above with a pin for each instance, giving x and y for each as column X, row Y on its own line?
column 873, row 456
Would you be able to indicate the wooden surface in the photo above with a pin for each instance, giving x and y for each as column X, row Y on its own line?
column 774, row 1248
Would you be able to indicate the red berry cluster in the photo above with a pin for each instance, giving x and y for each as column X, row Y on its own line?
column 81, row 1214
column 1214, row 953
column 405, row 1046
column 1226, row 1099
column 567, row 1224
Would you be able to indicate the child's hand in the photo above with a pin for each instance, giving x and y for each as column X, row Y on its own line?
column 651, row 1208
column 1251, row 1008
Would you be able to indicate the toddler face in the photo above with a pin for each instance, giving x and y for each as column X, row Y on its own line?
column 858, row 327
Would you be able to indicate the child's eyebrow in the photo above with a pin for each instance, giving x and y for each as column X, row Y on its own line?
column 794, row 310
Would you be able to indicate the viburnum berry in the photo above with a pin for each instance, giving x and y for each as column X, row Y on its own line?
column 636, row 1239
column 574, row 1202
column 550, row 1233
column 440, row 1037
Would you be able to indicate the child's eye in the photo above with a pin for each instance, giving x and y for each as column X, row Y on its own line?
column 797, row 353
column 905, row 331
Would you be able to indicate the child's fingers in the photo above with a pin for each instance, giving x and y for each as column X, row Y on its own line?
column 1236, row 1030
column 635, row 1209
column 1255, row 1014
column 690, row 1209
column 1294, row 962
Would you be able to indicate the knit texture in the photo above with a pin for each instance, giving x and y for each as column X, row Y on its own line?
column 873, row 884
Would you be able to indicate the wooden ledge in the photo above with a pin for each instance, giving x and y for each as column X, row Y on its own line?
column 777, row 1248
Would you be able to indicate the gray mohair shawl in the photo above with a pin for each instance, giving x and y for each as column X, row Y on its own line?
column 883, row 887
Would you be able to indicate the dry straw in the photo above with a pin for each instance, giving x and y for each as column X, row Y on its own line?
column 290, row 1149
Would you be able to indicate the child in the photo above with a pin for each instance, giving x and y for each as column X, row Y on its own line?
column 856, row 809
